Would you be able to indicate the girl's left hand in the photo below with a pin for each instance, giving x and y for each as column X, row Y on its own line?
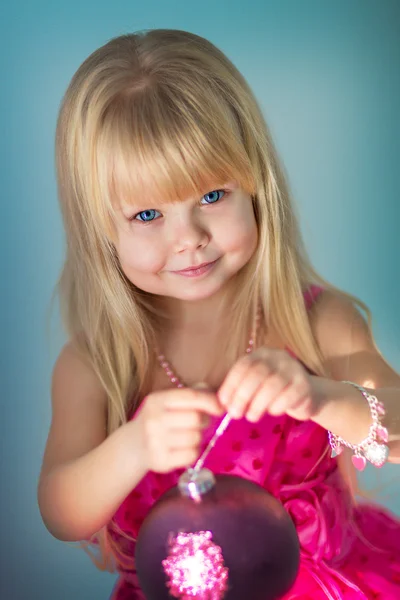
column 271, row 381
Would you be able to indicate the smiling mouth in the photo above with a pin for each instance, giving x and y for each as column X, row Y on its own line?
column 196, row 270
column 196, row 267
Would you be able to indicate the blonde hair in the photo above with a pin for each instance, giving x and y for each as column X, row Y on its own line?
column 166, row 110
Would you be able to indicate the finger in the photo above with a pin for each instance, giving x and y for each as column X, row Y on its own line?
column 233, row 380
column 185, row 419
column 183, row 458
column 280, row 405
column 245, row 392
column 266, row 395
column 292, row 397
column 180, row 440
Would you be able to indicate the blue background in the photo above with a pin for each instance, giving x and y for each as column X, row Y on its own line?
column 328, row 78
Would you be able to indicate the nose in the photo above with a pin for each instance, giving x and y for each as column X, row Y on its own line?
column 189, row 234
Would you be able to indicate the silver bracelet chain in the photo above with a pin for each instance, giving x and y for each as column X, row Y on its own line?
column 374, row 447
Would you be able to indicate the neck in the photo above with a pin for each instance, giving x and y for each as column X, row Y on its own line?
column 197, row 316
column 195, row 345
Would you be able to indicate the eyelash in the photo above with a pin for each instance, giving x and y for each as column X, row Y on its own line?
column 134, row 217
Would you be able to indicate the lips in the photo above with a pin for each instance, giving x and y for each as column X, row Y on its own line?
column 196, row 271
column 195, row 267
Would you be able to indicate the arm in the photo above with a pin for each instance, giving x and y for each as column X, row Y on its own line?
column 350, row 354
column 85, row 474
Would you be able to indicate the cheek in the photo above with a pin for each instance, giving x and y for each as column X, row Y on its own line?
column 240, row 233
column 140, row 255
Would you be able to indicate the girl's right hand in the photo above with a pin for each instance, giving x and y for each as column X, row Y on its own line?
column 171, row 423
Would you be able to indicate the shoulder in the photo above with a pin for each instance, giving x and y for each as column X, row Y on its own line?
column 346, row 341
column 338, row 323
column 72, row 373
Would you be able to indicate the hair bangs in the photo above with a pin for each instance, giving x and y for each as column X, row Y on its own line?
column 151, row 150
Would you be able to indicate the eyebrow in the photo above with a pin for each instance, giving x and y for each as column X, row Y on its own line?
column 155, row 206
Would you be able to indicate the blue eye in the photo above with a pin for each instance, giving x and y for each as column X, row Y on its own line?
column 213, row 197
column 146, row 216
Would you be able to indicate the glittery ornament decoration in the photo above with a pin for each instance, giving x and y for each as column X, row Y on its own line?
column 195, row 567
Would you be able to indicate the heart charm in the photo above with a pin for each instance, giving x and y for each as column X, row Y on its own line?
column 382, row 433
column 377, row 454
column 359, row 462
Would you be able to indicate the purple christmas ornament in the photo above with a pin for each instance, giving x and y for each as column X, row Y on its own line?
column 217, row 537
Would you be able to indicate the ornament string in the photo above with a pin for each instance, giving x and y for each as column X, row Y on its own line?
column 218, row 432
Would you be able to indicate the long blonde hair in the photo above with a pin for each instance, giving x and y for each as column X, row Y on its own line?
column 165, row 110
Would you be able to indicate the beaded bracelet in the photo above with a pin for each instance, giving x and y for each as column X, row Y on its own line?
column 373, row 448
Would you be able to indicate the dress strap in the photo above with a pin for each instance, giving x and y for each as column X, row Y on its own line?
column 311, row 294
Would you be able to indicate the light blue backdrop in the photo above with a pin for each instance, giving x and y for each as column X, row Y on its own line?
column 328, row 77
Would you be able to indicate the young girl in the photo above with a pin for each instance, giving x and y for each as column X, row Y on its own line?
column 184, row 266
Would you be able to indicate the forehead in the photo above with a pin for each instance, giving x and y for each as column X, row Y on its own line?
column 155, row 181
column 166, row 160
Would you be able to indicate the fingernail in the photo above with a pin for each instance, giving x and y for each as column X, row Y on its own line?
column 235, row 412
column 225, row 400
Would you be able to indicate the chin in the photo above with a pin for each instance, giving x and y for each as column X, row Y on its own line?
column 193, row 295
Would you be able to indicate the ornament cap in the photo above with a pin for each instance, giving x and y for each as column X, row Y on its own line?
column 195, row 483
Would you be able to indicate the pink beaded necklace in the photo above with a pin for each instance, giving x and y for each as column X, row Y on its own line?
column 173, row 377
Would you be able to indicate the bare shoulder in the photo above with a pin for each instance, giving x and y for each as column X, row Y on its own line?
column 347, row 343
column 72, row 372
column 338, row 324
column 79, row 409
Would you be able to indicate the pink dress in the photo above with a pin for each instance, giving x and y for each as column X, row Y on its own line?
column 348, row 551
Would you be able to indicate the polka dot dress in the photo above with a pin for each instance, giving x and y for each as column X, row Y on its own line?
column 348, row 551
